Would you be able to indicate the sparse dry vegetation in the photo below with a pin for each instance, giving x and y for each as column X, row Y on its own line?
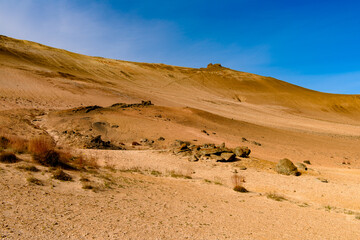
column 61, row 175
column 40, row 145
column 275, row 196
column 29, row 168
column 176, row 174
column 18, row 144
column 238, row 181
column 35, row 181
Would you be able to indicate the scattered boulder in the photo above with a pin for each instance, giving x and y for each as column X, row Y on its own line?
column 135, row 144
column 242, row 151
column 183, row 149
column 301, row 166
column 178, row 143
column 146, row 141
column 98, row 143
column 216, row 157
column 209, row 151
column 286, row 167
column 161, row 139
column 204, row 131
column 307, row 162
column 227, row 157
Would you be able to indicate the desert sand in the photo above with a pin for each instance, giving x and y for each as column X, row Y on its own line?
column 150, row 191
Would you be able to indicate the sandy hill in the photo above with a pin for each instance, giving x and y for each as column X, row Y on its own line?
column 32, row 74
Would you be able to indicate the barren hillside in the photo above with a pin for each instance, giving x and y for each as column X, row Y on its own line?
column 170, row 136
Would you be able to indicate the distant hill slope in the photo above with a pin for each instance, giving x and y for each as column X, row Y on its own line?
column 35, row 75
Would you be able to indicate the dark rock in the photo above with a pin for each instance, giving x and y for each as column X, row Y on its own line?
column 161, row 139
column 204, row 131
column 286, row 167
column 98, row 143
column 146, row 103
column 115, row 126
column 135, row 144
column 8, row 158
column 124, row 105
column 87, row 109
column 256, row 143
column 307, row 162
column 244, row 139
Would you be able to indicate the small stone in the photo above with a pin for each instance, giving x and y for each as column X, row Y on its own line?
column 324, row 180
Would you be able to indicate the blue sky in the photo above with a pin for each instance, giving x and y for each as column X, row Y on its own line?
column 314, row 44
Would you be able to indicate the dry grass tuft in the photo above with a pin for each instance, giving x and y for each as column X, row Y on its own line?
column 275, row 196
column 83, row 162
column 175, row 174
column 35, row 181
column 29, row 168
column 18, row 144
column 61, row 175
column 40, row 145
column 238, row 181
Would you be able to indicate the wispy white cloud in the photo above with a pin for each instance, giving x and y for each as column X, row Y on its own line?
column 92, row 29
column 96, row 29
